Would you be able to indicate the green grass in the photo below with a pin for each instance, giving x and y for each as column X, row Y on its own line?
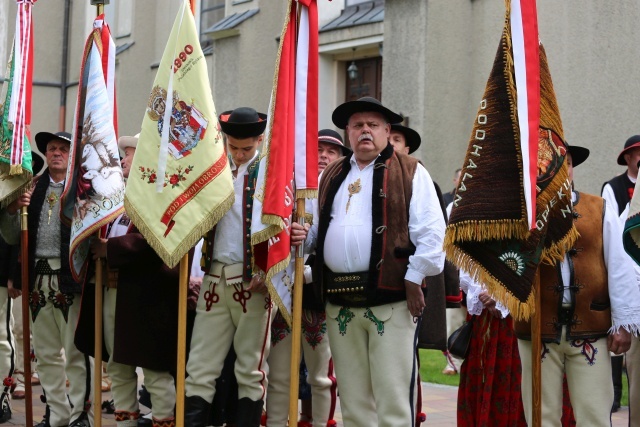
column 432, row 362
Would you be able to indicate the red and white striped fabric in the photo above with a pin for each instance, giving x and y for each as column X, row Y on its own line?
column 108, row 65
column 525, row 45
column 20, row 106
column 306, row 151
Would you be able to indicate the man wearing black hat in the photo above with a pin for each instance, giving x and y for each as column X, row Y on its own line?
column 618, row 192
column 590, row 305
column 380, row 232
column 55, row 296
column 233, row 307
column 315, row 342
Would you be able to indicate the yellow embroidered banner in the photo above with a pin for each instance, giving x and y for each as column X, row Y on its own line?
column 180, row 182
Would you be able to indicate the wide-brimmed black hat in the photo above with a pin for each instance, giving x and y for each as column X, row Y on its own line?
column 632, row 142
column 342, row 113
column 37, row 163
column 243, row 122
column 411, row 136
column 330, row 136
column 578, row 154
column 43, row 138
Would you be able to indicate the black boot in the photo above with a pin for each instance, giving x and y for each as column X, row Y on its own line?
column 5, row 407
column 81, row 421
column 616, row 376
column 249, row 412
column 47, row 413
column 196, row 411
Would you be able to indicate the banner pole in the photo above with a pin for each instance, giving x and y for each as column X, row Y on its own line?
column 182, row 339
column 536, row 348
column 26, row 329
column 296, row 322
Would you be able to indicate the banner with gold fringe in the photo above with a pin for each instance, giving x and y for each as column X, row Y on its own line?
column 488, row 233
column 180, row 183
column 16, row 169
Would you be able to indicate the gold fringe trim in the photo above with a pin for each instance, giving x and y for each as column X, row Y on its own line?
column 15, row 170
column 549, row 110
column 277, row 268
column 517, row 309
column 478, row 231
column 264, row 235
column 19, row 190
column 172, row 259
column 307, row 194
column 557, row 252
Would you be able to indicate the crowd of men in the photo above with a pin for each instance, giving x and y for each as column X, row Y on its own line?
column 376, row 233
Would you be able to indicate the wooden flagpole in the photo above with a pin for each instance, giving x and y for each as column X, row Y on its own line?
column 536, row 351
column 296, row 322
column 26, row 329
column 182, row 322
column 97, row 367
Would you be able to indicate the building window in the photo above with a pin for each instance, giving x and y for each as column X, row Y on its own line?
column 211, row 11
column 365, row 79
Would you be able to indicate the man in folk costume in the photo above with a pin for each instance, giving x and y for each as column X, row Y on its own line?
column 140, row 316
column 233, row 307
column 315, row 341
column 590, row 305
column 55, row 296
column 379, row 234
column 618, row 193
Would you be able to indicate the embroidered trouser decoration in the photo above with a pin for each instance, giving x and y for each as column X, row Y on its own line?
column 588, row 349
column 344, row 316
column 241, row 295
column 210, row 296
column 279, row 329
column 62, row 302
column 314, row 326
column 36, row 297
column 379, row 323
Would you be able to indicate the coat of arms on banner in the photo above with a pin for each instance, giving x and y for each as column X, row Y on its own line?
column 188, row 124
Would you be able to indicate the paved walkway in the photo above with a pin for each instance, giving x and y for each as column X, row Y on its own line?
column 439, row 401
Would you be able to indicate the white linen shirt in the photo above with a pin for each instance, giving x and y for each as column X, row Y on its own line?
column 347, row 246
column 228, row 245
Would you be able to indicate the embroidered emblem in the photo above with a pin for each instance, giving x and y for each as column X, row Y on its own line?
column 36, row 302
column 241, row 295
column 52, row 199
column 344, row 316
column 379, row 323
column 588, row 350
column 62, row 302
column 354, row 188
column 314, row 326
column 514, row 261
column 210, row 296
column 279, row 329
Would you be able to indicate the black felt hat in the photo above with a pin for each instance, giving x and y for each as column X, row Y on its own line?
column 632, row 142
column 243, row 122
column 330, row 136
column 411, row 136
column 342, row 113
column 578, row 154
column 37, row 163
column 43, row 138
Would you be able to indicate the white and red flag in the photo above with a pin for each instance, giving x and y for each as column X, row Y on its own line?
column 94, row 188
column 291, row 144
column 15, row 110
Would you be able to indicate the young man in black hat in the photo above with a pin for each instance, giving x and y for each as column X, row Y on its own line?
column 380, row 232
column 618, row 192
column 404, row 139
column 55, row 296
column 233, row 307
column 315, row 342
column 590, row 306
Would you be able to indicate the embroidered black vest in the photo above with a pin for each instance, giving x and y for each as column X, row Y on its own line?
column 622, row 190
column 66, row 282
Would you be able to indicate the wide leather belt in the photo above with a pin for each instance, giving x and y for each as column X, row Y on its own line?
column 345, row 283
column 43, row 267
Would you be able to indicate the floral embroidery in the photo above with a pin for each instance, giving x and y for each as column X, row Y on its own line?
column 36, row 302
column 314, row 326
column 62, row 302
column 150, row 175
column 379, row 323
column 588, row 350
column 344, row 316
column 279, row 329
